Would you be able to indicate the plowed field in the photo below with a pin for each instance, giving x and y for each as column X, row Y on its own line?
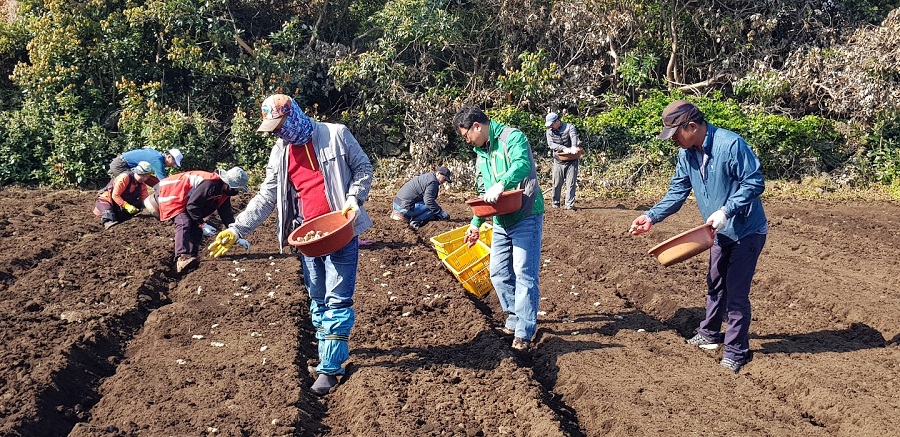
column 100, row 337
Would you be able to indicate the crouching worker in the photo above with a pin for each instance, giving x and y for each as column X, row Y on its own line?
column 416, row 202
column 188, row 198
column 124, row 196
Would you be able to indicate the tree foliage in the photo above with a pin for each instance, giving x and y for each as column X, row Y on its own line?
column 90, row 79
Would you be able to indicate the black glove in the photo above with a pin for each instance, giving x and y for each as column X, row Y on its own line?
column 445, row 215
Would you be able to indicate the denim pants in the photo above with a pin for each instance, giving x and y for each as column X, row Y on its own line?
column 731, row 269
column 330, row 281
column 418, row 213
column 564, row 173
column 515, row 263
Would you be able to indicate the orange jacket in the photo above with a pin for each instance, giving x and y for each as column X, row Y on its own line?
column 184, row 191
column 123, row 189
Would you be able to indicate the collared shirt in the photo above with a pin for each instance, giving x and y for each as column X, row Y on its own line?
column 731, row 178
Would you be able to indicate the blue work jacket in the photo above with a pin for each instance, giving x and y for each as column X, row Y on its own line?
column 728, row 175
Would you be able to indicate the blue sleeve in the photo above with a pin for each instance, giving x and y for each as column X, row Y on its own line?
column 745, row 168
column 679, row 189
column 159, row 166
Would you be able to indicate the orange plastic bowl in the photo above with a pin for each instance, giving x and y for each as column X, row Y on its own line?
column 509, row 201
column 570, row 156
column 339, row 228
column 684, row 245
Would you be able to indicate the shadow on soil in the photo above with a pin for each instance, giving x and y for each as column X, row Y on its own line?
column 858, row 336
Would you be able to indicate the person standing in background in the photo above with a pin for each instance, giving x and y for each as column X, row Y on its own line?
column 724, row 174
column 562, row 138
column 313, row 169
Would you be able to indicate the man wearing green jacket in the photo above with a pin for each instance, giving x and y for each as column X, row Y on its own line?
column 505, row 162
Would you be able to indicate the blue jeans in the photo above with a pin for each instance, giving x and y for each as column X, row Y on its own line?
column 330, row 281
column 515, row 263
column 418, row 213
column 731, row 269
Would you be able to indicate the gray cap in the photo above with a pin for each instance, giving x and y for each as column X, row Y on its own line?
column 551, row 117
column 143, row 167
column 236, row 178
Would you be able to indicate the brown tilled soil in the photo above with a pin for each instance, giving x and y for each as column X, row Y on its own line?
column 100, row 337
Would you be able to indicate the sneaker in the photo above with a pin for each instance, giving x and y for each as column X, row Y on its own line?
column 107, row 225
column 571, row 208
column 520, row 344
column 324, row 384
column 415, row 225
column 702, row 342
column 184, row 262
column 732, row 365
column 508, row 331
column 555, row 205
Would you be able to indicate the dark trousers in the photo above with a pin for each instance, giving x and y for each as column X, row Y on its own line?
column 731, row 269
column 188, row 235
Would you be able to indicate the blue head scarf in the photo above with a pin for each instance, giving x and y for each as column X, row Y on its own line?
column 297, row 128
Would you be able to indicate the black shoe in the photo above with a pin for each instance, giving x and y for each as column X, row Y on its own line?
column 571, row 208
column 415, row 225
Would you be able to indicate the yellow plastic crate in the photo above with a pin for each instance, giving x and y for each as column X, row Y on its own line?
column 446, row 243
column 480, row 283
column 466, row 261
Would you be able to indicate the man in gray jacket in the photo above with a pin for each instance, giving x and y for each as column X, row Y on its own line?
column 562, row 138
column 416, row 202
column 315, row 168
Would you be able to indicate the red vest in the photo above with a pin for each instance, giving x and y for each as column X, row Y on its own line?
column 175, row 190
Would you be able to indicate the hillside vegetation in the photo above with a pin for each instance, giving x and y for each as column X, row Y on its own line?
column 813, row 86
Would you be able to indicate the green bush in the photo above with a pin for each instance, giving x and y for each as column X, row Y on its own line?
column 881, row 152
column 24, row 145
column 78, row 154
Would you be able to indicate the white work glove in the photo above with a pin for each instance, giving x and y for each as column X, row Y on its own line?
column 718, row 220
column 493, row 193
column 351, row 203
column 572, row 150
column 243, row 243
column 208, row 230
